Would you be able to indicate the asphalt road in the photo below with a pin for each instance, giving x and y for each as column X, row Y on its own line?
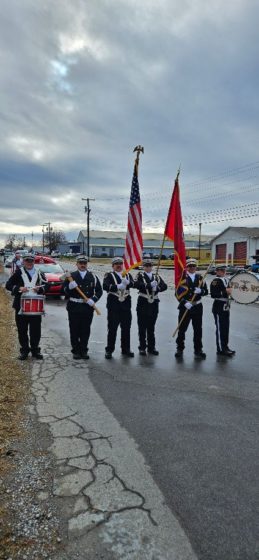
column 196, row 423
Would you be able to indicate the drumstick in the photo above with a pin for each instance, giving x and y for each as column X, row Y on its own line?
column 69, row 277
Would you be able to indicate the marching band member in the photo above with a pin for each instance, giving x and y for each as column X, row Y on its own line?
column 26, row 279
column 118, row 308
column 16, row 262
column 149, row 286
column 220, row 292
column 189, row 293
column 80, row 312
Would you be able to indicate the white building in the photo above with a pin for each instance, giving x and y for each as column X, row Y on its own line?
column 236, row 245
column 112, row 243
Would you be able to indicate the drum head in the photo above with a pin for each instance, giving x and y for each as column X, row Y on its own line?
column 245, row 287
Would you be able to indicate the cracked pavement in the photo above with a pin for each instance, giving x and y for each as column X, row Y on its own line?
column 107, row 497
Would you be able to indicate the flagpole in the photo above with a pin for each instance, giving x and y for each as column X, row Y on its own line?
column 163, row 242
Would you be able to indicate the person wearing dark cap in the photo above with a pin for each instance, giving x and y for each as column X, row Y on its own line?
column 16, row 262
column 80, row 311
column 149, row 286
column 220, row 291
column 189, row 293
column 118, row 308
column 24, row 280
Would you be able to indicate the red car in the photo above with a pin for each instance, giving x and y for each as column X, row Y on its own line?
column 52, row 272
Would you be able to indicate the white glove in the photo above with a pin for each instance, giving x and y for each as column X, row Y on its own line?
column 121, row 286
column 90, row 302
column 125, row 282
column 197, row 291
column 153, row 284
column 188, row 305
column 72, row 284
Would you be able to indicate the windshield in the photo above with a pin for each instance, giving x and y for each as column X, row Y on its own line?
column 51, row 268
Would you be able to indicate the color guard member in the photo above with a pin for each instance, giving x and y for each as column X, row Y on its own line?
column 149, row 286
column 119, row 308
column 80, row 312
column 189, row 293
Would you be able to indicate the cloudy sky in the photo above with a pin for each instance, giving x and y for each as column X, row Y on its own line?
column 83, row 82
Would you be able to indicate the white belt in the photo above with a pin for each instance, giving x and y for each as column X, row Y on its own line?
column 221, row 299
column 149, row 297
column 196, row 302
column 77, row 300
column 121, row 296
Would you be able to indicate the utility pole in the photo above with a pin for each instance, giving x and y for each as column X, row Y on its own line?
column 88, row 210
column 199, row 257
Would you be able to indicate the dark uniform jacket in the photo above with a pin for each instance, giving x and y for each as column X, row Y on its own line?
column 143, row 284
column 90, row 286
column 218, row 289
column 185, row 290
column 15, row 282
column 110, row 283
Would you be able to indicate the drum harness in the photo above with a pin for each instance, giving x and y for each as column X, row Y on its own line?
column 150, row 297
column 30, row 283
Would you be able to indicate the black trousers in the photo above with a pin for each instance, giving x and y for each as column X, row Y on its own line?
column 28, row 324
column 147, row 315
column 193, row 315
column 80, row 328
column 119, row 315
column 221, row 316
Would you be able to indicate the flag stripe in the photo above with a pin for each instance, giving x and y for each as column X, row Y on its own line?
column 134, row 241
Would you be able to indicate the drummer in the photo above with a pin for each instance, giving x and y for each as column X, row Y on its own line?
column 27, row 279
column 220, row 291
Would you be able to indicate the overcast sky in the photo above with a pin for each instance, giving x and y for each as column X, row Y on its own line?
column 83, row 82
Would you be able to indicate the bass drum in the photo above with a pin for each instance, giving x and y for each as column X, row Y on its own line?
column 245, row 287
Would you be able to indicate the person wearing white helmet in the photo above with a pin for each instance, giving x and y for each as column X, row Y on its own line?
column 118, row 308
column 189, row 293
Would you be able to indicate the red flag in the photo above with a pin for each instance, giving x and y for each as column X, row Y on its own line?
column 174, row 231
column 134, row 242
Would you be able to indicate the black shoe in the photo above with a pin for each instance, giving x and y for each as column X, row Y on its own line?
column 128, row 353
column 108, row 355
column 85, row 356
column 77, row 356
column 142, row 352
column 232, row 351
column 37, row 356
column 154, row 352
column 23, row 356
column 226, row 352
column 179, row 353
column 200, row 355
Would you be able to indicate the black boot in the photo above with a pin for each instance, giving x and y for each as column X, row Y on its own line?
column 142, row 352
column 179, row 353
column 128, row 353
column 154, row 351
column 200, row 355
column 23, row 355
column 108, row 355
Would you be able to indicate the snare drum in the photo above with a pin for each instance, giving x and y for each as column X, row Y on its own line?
column 245, row 287
column 32, row 304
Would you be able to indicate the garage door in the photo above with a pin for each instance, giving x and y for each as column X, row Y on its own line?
column 240, row 253
column 221, row 253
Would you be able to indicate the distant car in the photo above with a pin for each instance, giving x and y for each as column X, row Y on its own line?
column 52, row 272
column 212, row 269
column 55, row 254
column 231, row 269
column 8, row 260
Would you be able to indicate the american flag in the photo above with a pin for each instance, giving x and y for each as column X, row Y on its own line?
column 134, row 242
